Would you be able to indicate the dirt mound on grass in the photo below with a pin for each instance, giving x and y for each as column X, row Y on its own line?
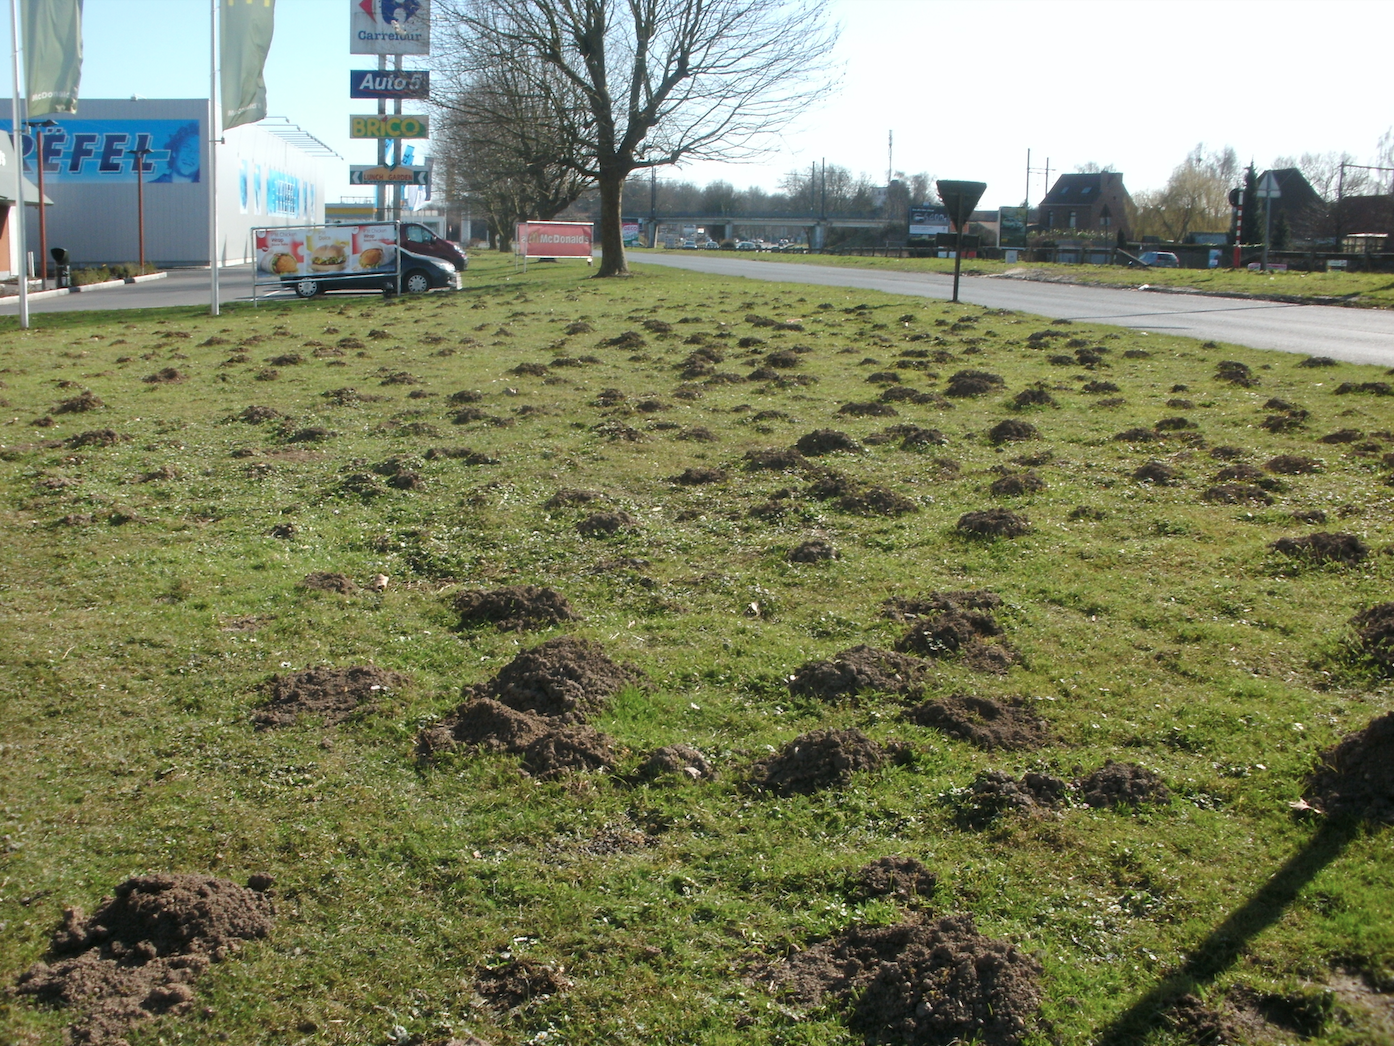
column 565, row 677
column 919, row 983
column 676, row 760
column 993, row 522
column 825, row 441
column 569, row 748
column 815, row 550
column 137, row 955
column 1355, row 777
column 903, row 878
column 1236, row 494
column 983, row 721
column 484, row 724
column 1010, row 431
column 1375, row 635
column 1323, row 547
column 513, row 607
column 818, row 759
column 1123, row 784
column 1157, row 473
column 520, row 981
column 905, row 608
column 776, row 459
column 325, row 582
column 332, row 694
column 994, row 793
column 855, row 670
column 1016, row 484
column 968, row 383
column 605, row 524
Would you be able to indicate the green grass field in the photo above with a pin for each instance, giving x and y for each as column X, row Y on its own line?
column 1365, row 289
column 153, row 587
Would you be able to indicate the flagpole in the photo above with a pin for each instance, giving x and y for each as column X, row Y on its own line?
column 17, row 223
column 214, row 134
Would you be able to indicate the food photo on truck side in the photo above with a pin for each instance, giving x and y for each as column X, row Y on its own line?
column 393, row 257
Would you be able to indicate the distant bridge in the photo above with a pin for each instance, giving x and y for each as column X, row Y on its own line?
column 725, row 226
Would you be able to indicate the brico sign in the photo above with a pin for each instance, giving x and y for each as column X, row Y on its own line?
column 388, row 127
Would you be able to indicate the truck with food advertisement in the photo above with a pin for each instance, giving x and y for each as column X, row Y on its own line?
column 385, row 256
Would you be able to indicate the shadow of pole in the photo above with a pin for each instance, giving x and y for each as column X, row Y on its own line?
column 1227, row 941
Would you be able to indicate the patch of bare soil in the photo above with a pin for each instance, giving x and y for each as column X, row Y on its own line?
column 332, row 694
column 1375, row 635
column 994, row 793
column 95, row 438
column 931, row 983
column 1157, row 473
column 697, row 475
column 1200, row 1024
column 485, row 724
column 1236, row 494
column 825, row 441
column 818, row 759
column 79, row 404
column 1242, row 472
column 1323, row 547
column 984, row 721
column 326, row 582
column 906, row 608
column 513, row 607
column 1123, row 784
column 1355, row 777
column 1016, row 484
column 777, row 459
column 565, row 677
column 815, row 550
column 1011, row 431
column 137, row 956
column 680, row 760
column 876, row 501
column 860, row 668
column 993, row 522
column 1292, row 465
column 569, row 748
column 904, row 878
column 968, row 383
column 605, row 524
column 165, row 375
column 1305, row 1012
column 518, row 982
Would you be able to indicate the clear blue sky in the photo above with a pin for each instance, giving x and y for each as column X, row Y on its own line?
column 966, row 87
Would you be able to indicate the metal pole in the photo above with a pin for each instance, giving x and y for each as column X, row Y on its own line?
column 215, row 124
column 140, row 207
column 397, row 149
column 1267, row 229
column 381, row 191
column 958, row 260
column 17, row 122
column 43, row 211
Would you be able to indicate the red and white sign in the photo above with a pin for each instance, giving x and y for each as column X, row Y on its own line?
column 553, row 240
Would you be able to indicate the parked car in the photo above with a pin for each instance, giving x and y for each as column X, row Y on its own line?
column 746, row 245
column 689, row 245
column 711, row 245
column 420, row 273
column 417, row 239
column 1160, row 259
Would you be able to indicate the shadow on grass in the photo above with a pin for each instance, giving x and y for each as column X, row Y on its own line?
column 1228, row 941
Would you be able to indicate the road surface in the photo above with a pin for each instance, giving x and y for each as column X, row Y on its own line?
column 1355, row 335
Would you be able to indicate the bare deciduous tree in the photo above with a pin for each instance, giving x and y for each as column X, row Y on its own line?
column 660, row 81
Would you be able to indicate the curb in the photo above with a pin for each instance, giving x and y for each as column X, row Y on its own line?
column 103, row 286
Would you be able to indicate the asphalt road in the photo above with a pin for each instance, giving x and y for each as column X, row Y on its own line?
column 1355, row 335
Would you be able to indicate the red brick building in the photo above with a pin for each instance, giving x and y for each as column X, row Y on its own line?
column 1095, row 202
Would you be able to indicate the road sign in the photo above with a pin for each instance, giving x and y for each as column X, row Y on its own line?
column 380, row 83
column 388, row 127
column 960, row 198
column 1268, row 188
column 399, row 175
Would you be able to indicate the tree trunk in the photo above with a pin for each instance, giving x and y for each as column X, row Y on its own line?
column 612, row 260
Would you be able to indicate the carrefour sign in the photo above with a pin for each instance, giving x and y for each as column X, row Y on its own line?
column 390, row 27
column 388, row 127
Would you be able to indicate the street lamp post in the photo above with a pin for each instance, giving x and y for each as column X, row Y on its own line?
column 140, row 155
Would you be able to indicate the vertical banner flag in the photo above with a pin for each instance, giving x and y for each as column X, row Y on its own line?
column 245, row 31
column 52, row 55
column 390, row 27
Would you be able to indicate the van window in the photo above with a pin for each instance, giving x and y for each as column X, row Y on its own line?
column 419, row 234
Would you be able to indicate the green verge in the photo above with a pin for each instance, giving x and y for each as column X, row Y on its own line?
column 1367, row 289
column 146, row 605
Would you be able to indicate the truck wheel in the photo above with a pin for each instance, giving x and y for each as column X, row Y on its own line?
column 307, row 288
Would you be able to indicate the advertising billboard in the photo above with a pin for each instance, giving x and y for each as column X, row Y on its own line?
column 389, row 127
column 389, row 84
column 629, row 232
column 106, row 151
column 553, row 240
column 1012, row 227
column 389, row 26
column 325, row 251
column 926, row 222
column 399, row 175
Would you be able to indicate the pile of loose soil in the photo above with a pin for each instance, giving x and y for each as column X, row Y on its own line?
column 1199, row 1023
column 968, row 383
column 680, row 760
column 79, row 404
column 1235, row 373
column 548, row 745
column 919, row 983
column 1236, row 494
column 332, row 694
column 825, row 441
column 1292, row 465
column 1375, row 635
column 1323, row 547
column 520, row 981
column 605, row 524
column 984, row 721
column 778, row 459
column 1355, row 777
column 994, row 793
column 1123, row 784
column 876, row 501
column 513, row 607
column 818, row 759
column 1157, row 473
column 905, row 608
column 565, row 678
column 326, row 582
column 1016, row 484
column 1033, row 398
column 138, row 954
column 904, row 878
column 698, row 475
column 1011, row 431
column 1241, row 472
column 993, row 522
column 860, row 668
column 814, row 550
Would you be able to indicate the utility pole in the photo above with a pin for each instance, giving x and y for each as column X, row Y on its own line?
column 890, row 154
